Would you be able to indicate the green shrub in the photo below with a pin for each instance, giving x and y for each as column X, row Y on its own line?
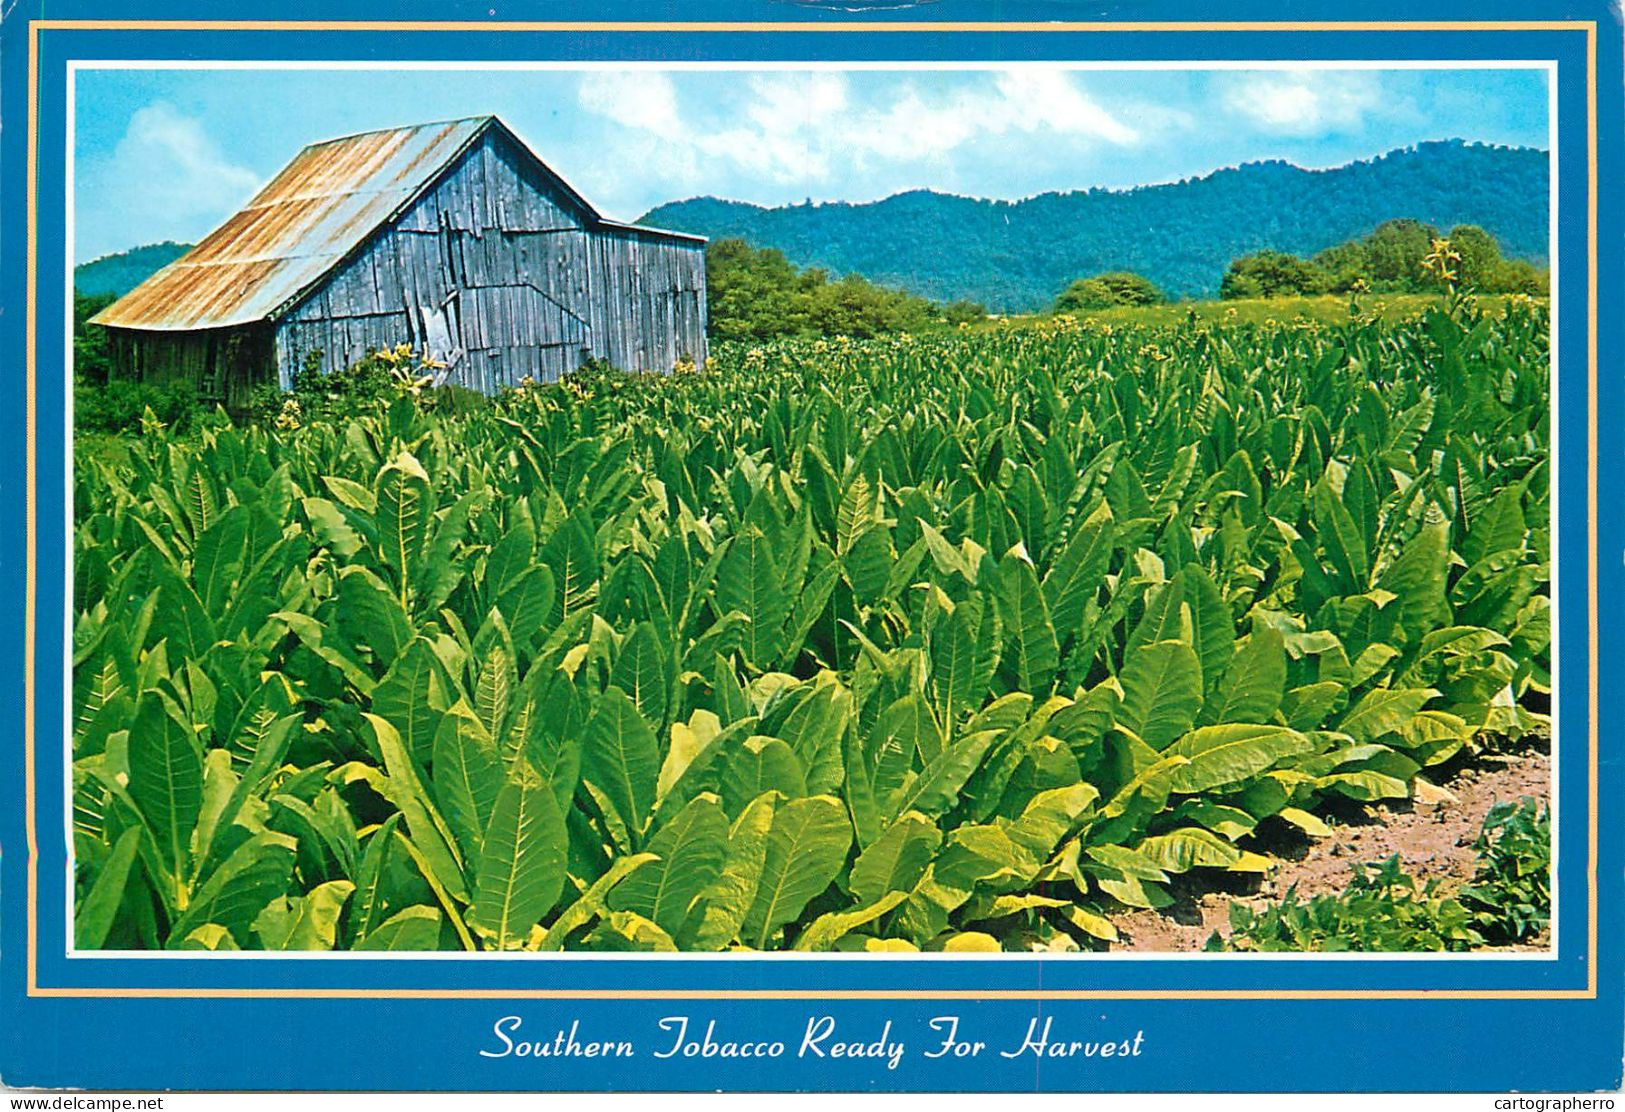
column 1107, row 291
column 371, row 382
column 1510, row 897
column 956, row 313
column 118, row 406
column 92, row 361
column 758, row 294
column 1273, row 274
column 1383, row 908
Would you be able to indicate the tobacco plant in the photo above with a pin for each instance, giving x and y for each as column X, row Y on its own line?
column 948, row 642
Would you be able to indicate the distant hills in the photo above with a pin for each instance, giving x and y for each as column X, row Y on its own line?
column 1017, row 255
column 122, row 272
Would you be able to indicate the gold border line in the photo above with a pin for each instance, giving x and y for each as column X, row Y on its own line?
column 30, row 358
column 644, row 27
column 827, row 994
column 1589, row 27
column 1594, row 706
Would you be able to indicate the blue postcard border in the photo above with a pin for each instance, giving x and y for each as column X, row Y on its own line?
column 1451, row 1023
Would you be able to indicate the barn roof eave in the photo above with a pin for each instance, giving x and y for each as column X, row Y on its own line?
column 660, row 233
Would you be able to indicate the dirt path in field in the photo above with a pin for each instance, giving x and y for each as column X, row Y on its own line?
column 1432, row 839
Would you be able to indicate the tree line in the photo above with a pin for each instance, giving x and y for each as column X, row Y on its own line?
column 755, row 293
column 1389, row 260
column 1393, row 258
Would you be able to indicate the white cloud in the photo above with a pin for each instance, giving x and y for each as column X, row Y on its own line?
column 792, row 127
column 643, row 99
column 164, row 149
column 1051, row 99
column 797, row 101
column 1022, row 101
column 1304, row 104
column 171, row 180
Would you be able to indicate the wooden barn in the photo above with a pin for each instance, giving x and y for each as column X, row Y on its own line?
column 452, row 237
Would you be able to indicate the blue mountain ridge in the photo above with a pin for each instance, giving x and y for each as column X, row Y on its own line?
column 1017, row 255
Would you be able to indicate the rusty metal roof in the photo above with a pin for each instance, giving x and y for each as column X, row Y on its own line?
column 297, row 229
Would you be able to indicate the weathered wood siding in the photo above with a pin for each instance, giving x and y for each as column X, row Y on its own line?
column 224, row 365
column 497, row 273
column 647, row 300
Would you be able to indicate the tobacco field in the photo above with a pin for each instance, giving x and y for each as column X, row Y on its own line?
column 950, row 642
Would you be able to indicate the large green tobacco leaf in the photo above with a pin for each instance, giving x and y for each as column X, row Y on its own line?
column 729, row 898
column 181, row 620
column 749, row 581
column 368, row 905
column 1341, row 539
column 760, row 764
column 520, row 872
column 965, row 652
column 404, row 787
column 527, row 605
column 896, row 860
column 468, row 774
column 94, row 914
column 621, row 758
column 691, row 847
column 1499, row 526
column 166, row 778
column 1182, row 850
column 405, row 506
column 1033, row 654
column 1253, row 683
column 572, row 557
column 589, row 905
column 258, row 871
column 828, row 929
column 412, row 697
column 813, row 728
column 935, row 788
column 1417, row 577
column 1384, row 711
column 412, row 928
column 1191, row 596
column 643, row 671
column 368, row 615
column 1229, row 755
column 1162, row 691
column 1075, row 577
column 805, row 849
column 308, row 922
column 511, row 557
column 494, row 685
column 903, row 730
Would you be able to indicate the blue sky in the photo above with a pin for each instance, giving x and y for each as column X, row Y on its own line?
column 168, row 154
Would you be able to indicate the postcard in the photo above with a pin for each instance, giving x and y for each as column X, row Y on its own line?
column 811, row 547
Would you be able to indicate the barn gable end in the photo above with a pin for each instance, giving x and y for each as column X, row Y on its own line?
column 489, row 262
column 486, row 272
